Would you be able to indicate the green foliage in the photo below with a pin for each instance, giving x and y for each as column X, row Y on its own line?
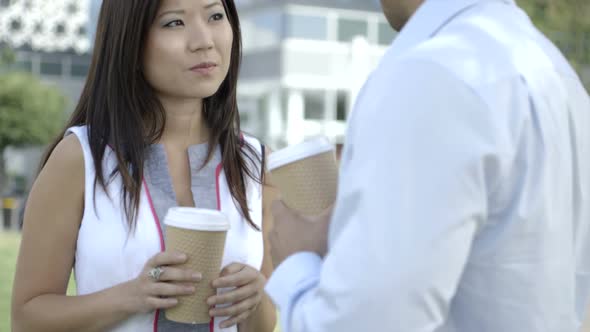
column 566, row 23
column 31, row 113
column 9, row 244
column 7, row 56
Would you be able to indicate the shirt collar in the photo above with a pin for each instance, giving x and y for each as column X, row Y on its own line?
column 429, row 19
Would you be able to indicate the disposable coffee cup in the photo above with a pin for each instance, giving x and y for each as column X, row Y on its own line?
column 200, row 234
column 306, row 175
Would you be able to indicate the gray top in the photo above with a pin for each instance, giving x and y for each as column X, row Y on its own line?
column 204, row 190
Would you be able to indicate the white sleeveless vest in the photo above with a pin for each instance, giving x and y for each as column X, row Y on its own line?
column 107, row 253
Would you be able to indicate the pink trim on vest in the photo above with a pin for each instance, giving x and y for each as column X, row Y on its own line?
column 155, row 215
column 156, row 318
column 217, row 175
column 160, row 234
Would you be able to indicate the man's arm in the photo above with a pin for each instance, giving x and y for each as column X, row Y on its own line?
column 411, row 199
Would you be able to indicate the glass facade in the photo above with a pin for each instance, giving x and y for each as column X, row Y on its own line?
column 51, row 68
column 348, row 29
column 80, row 70
column 307, row 27
column 262, row 29
column 94, row 13
column 342, row 104
column 386, row 33
column 268, row 27
column 318, row 72
column 314, row 102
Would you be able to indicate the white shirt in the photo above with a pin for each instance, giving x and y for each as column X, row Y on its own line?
column 99, row 266
column 463, row 200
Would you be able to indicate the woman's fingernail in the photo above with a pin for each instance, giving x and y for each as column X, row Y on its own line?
column 197, row 276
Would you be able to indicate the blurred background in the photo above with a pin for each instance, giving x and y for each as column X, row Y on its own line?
column 304, row 63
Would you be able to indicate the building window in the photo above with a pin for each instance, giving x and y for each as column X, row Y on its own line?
column 60, row 29
column 386, row 33
column 245, row 118
column 24, row 65
column 262, row 29
column 38, row 28
column 79, row 70
column 72, row 8
column 348, row 29
column 16, row 25
column 342, row 104
column 51, row 68
column 314, row 105
column 307, row 27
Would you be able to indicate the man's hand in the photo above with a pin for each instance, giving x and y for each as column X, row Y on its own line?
column 242, row 301
column 293, row 233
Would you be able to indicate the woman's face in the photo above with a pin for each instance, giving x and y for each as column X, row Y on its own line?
column 188, row 48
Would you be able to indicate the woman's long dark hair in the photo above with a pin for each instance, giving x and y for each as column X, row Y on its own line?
column 121, row 109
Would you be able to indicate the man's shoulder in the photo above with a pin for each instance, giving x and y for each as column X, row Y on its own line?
column 469, row 58
column 484, row 48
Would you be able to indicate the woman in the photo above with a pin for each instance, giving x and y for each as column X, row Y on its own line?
column 157, row 126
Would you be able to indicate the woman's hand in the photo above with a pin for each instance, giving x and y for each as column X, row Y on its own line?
column 150, row 291
column 244, row 299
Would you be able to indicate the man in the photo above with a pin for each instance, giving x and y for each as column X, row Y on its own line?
column 464, row 190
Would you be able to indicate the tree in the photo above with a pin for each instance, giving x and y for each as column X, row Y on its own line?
column 31, row 113
column 566, row 23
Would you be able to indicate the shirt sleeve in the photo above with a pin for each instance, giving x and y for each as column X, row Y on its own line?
column 412, row 195
column 297, row 274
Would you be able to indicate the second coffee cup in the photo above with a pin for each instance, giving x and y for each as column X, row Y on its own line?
column 306, row 175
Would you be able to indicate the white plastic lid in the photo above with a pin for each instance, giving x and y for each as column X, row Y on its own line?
column 300, row 151
column 197, row 219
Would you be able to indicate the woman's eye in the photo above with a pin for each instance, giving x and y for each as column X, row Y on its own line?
column 216, row 17
column 175, row 23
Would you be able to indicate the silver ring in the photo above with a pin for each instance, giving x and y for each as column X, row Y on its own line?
column 156, row 273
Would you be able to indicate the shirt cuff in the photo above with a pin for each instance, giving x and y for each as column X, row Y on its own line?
column 296, row 275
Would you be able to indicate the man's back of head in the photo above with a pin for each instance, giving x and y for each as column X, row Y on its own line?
column 398, row 12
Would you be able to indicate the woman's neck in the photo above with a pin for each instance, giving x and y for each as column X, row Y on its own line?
column 185, row 123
